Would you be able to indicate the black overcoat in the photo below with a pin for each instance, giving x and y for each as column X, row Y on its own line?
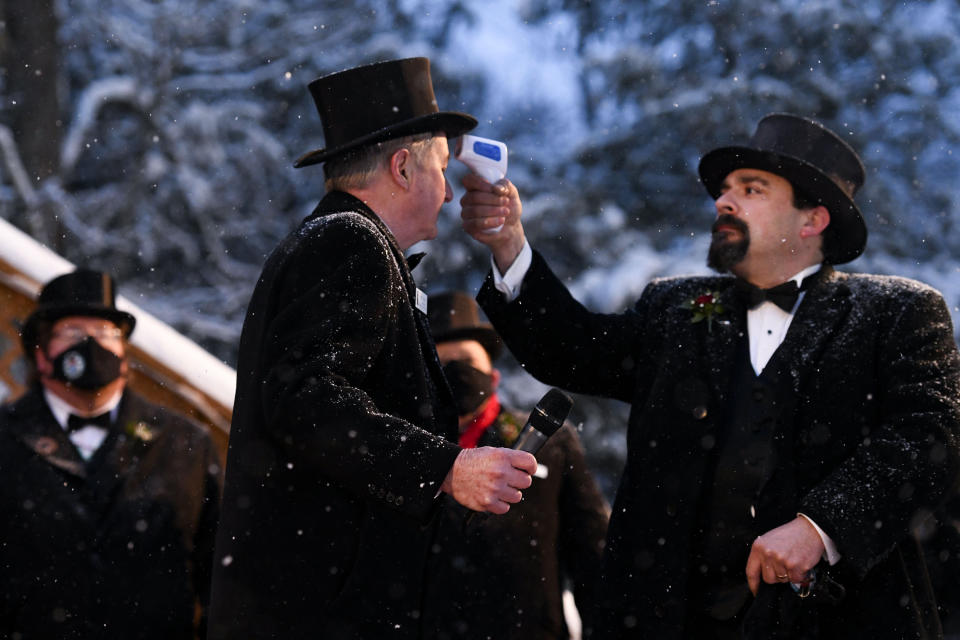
column 503, row 576
column 873, row 443
column 116, row 547
column 343, row 430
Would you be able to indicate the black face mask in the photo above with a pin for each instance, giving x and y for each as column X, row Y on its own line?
column 470, row 385
column 87, row 365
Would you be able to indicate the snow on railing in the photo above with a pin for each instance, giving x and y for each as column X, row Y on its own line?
column 160, row 341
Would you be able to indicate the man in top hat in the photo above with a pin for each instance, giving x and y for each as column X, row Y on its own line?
column 504, row 577
column 782, row 443
column 344, row 432
column 110, row 502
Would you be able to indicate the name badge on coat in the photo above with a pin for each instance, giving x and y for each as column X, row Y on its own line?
column 421, row 301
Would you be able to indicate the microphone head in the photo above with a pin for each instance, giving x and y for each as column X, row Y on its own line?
column 551, row 411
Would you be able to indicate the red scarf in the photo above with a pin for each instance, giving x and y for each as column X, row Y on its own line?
column 471, row 435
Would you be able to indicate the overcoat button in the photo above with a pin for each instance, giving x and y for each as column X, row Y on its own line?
column 699, row 412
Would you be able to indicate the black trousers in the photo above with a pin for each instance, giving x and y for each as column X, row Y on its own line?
column 703, row 627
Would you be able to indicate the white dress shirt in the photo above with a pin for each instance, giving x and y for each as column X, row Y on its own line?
column 767, row 326
column 88, row 439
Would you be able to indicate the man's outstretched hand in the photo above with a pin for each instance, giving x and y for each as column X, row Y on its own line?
column 486, row 206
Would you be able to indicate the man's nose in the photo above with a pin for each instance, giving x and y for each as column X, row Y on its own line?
column 725, row 204
column 448, row 195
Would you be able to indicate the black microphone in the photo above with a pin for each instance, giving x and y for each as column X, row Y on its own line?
column 548, row 416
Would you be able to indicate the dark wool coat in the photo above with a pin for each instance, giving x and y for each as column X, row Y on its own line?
column 941, row 544
column 873, row 441
column 343, row 430
column 502, row 577
column 116, row 547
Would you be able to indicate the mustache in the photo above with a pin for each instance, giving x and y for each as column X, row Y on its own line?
column 728, row 220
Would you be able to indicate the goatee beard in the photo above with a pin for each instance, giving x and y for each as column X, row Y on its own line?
column 724, row 254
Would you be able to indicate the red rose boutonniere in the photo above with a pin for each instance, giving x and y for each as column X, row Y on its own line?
column 705, row 307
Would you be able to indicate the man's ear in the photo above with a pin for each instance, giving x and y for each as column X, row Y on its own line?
column 401, row 165
column 816, row 220
column 495, row 378
column 44, row 365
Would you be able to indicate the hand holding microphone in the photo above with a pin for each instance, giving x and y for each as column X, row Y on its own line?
column 491, row 478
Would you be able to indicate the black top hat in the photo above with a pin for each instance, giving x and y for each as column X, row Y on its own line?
column 379, row 102
column 455, row 316
column 816, row 162
column 83, row 292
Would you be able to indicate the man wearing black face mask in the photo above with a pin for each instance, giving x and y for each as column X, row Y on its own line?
column 503, row 577
column 111, row 502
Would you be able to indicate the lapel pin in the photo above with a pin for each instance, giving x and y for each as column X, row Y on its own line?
column 45, row 445
column 141, row 431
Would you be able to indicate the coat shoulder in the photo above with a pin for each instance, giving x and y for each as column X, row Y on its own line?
column 687, row 285
column 345, row 246
column 883, row 284
column 338, row 232
column 26, row 407
column 346, row 222
column 872, row 290
column 138, row 409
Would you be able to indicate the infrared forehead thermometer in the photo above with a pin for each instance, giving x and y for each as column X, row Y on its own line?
column 485, row 157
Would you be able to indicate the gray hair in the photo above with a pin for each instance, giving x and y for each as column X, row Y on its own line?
column 354, row 169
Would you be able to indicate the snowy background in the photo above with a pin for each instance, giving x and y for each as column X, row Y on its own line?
column 155, row 138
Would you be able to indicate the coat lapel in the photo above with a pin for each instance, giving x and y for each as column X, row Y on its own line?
column 123, row 450
column 822, row 310
column 824, row 307
column 720, row 341
column 41, row 433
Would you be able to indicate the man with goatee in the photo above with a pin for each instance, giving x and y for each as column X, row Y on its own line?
column 790, row 424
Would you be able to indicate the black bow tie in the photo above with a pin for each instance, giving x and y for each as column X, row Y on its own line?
column 783, row 295
column 75, row 423
column 414, row 259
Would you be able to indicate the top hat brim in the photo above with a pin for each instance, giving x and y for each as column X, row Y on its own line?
column 451, row 123
column 28, row 333
column 847, row 227
column 486, row 336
